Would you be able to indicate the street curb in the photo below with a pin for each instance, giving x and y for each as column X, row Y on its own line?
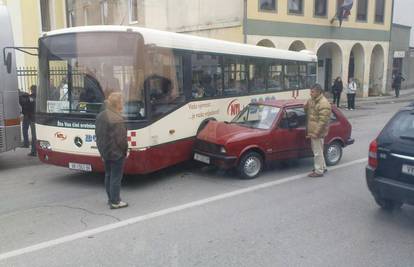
column 401, row 99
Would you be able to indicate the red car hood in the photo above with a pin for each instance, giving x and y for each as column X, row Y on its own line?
column 220, row 132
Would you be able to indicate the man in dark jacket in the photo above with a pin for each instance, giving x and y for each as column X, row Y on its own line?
column 337, row 88
column 112, row 142
column 28, row 103
column 396, row 83
column 24, row 100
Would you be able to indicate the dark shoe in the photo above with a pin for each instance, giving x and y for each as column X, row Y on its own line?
column 314, row 175
column 120, row 205
column 32, row 154
column 324, row 171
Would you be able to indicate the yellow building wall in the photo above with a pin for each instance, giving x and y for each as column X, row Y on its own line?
column 30, row 28
column 281, row 15
column 59, row 14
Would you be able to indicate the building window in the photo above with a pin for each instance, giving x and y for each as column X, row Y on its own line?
column 133, row 11
column 295, row 6
column 321, row 8
column 104, row 12
column 362, row 8
column 45, row 14
column 379, row 11
column 267, row 5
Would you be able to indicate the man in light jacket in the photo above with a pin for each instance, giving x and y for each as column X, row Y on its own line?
column 352, row 88
column 318, row 111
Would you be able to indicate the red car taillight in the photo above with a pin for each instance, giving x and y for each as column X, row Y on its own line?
column 372, row 155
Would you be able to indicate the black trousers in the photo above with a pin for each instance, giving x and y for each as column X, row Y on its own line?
column 397, row 91
column 351, row 101
column 336, row 98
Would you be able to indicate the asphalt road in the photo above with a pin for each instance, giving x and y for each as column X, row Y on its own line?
column 187, row 216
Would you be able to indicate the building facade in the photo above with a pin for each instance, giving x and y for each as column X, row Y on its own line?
column 358, row 49
column 400, row 58
column 29, row 19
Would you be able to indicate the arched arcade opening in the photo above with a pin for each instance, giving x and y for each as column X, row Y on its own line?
column 329, row 64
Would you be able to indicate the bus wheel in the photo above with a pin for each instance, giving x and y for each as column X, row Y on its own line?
column 250, row 165
column 204, row 123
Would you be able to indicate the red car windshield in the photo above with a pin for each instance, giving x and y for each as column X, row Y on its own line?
column 257, row 116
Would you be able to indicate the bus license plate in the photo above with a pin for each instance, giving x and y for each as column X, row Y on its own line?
column 202, row 158
column 80, row 167
column 408, row 169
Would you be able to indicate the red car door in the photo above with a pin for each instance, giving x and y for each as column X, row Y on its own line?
column 288, row 138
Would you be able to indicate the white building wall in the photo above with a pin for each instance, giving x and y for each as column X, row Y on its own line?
column 167, row 14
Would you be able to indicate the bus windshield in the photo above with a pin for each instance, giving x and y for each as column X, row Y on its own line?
column 78, row 71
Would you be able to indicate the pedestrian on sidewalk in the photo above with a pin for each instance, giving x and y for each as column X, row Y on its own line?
column 112, row 142
column 396, row 83
column 352, row 88
column 337, row 88
column 318, row 111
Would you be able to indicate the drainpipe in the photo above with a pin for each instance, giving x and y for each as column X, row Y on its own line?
column 244, row 21
column 390, row 54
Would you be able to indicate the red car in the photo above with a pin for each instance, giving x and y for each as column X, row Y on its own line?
column 264, row 132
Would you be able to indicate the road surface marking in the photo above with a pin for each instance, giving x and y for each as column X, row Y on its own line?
column 134, row 220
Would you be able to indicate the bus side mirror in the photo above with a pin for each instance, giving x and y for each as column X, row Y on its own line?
column 8, row 62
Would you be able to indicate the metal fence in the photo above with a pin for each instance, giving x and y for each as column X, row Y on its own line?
column 26, row 77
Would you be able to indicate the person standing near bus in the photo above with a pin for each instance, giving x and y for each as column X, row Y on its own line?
column 337, row 88
column 31, row 119
column 112, row 142
column 318, row 111
column 352, row 88
column 24, row 104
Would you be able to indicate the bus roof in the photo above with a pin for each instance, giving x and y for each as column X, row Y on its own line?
column 195, row 43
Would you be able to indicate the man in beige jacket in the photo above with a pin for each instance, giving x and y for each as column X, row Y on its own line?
column 318, row 111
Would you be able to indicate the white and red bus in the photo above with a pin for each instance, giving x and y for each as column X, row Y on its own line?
column 172, row 84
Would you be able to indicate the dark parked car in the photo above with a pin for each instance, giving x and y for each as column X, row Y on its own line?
column 264, row 132
column 390, row 169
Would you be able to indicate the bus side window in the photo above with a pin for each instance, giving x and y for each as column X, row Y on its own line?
column 311, row 74
column 275, row 76
column 164, row 80
column 302, row 76
column 206, row 75
column 291, row 75
column 257, row 75
column 235, row 76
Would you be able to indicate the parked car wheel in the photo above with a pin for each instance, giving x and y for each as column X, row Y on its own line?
column 388, row 204
column 250, row 165
column 333, row 153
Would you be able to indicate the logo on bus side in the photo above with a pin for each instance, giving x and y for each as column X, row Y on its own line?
column 61, row 136
column 233, row 108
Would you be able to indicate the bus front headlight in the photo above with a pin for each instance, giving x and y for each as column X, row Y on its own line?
column 45, row 145
column 223, row 150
